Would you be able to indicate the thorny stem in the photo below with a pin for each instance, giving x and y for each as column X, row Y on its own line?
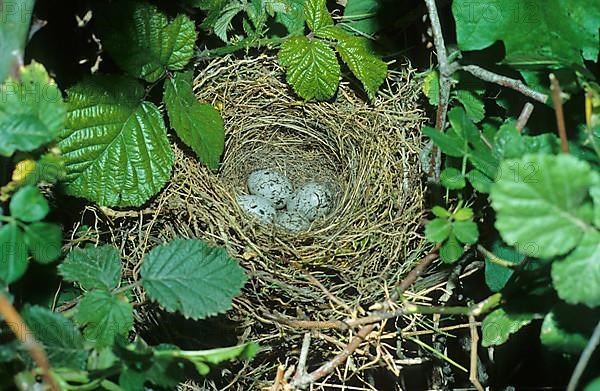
column 560, row 116
column 246, row 43
column 493, row 258
column 584, row 358
column 19, row 328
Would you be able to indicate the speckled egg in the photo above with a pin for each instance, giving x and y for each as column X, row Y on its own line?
column 258, row 207
column 272, row 185
column 313, row 200
column 292, row 221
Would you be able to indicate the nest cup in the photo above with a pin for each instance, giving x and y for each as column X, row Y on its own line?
column 367, row 152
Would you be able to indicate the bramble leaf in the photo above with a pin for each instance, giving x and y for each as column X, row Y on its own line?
column 364, row 64
column 577, row 277
column 44, row 241
column 538, row 200
column 59, row 336
column 480, row 182
column 32, row 111
column 312, row 68
column 28, row 204
column 567, row 329
column 199, row 125
column 499, row 325
column 104, row 317
column 13, row 258
column 191, row 277
column 93, row 267
column 361, row 15
column 472, row 103
column 555, row 33
column 115, row 145
column 143, row 42
column 316, row 14
column 293, row 19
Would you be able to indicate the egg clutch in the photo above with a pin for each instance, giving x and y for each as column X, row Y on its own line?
column 273, row 200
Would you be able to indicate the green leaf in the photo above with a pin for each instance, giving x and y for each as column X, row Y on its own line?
column 594, row 385
column 451, row 250
column 567, row 329
column 463, row 214
column 223, row 23
column 577, row 277
column 595, row 194
column 361, row 15
column 438, row 211
column 538, row 199
column 50, row 168
column 93, row 267
column 199, row 125
column 216, row 356
column 452, row 179
column 472, row 104
column 104, row 317
column 28, row 204
column 316, row 14
column 557, row 33
column 448, row 142
column 191, row 277
column 466, row 231
column 13, row 258
column 463, row 126
column 59, row 336
column 499, row 325
column 364, row 64
column 293, row 19
column 496, row 276
column 312, row 68
column 438, row 230
column 44, row 241
column 143, row 42
column 115, row 145
column 480, row 181
column 32, row 111
column 431, row 87
column 509, row 143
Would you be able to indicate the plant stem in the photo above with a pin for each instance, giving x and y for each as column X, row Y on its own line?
column 439, row 354
column 245, row 43
column 495, row 259
column 560, row 116
column 127, row 287
column 16, row 323
column 504, row 81
column 524, row 116
column 584, row 358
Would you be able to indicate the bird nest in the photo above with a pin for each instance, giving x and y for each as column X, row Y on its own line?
column 366, row 151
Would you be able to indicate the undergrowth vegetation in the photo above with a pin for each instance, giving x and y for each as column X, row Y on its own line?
column 519, row 191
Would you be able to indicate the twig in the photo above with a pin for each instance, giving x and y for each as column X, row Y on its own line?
column 584, row 358
column 524, row 117
column 560, row 116
column 445, row 84
column 330, row 365
column 279, row 380
column 504, row 81
column 437, row 353
column 473, row 362
column 416, row 272
column 301, row 369
column 20, row 329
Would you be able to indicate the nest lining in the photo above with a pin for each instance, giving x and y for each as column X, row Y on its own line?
column 368, row 152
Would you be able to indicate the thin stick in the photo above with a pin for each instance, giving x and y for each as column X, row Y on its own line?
column 279, row 380
column 584, row 358
column 493, row 258
column 332, row 364
column 504, row 81
column 301, row 369
column 330, row 295
column 20, row 329
column 560, row 116
column 473, row 362
column 524, row 117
